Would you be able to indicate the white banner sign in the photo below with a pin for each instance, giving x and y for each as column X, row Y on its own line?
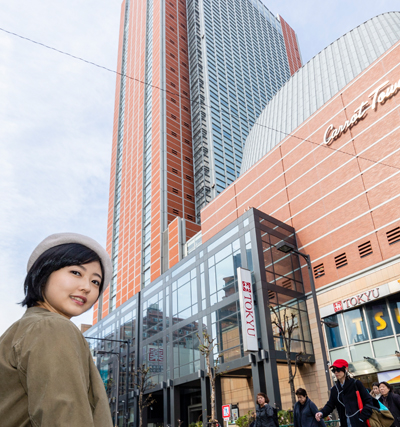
column 249, row 331
column 391, row 377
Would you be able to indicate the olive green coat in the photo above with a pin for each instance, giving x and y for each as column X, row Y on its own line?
column 47, row 375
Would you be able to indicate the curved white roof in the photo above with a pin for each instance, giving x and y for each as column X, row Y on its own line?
column 318, row 81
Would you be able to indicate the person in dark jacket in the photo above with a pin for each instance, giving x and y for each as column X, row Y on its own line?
column 391, row 401
column 343, row 397
column 264, row 413
column 304, row 411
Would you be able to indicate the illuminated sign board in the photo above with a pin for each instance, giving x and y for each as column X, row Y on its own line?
column 379, row 96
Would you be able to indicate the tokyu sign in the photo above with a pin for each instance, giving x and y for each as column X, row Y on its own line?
column 356, row 300
column 378, row 96
column 246, row 300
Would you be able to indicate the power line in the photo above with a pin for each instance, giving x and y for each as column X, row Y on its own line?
column 189, row 99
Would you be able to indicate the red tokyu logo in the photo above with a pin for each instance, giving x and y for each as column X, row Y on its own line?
column 246, row 287
column 338, row 306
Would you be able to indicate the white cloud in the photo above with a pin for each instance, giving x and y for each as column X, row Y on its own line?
column 56, row 116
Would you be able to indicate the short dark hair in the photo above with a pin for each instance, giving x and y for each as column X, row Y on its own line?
column 301, row 392
column 52, row 260
column 375, row 385
column 389, row 386
column 264, row 396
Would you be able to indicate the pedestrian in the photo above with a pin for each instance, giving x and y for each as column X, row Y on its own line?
column 343, row 397
column 47, row 374
column 375, row 391
column 264, row 412
column 391, row 401
column 304, row 411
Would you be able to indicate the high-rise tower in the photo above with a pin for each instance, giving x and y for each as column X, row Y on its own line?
column 238, row 60
column 240, row 56
column 151, row 171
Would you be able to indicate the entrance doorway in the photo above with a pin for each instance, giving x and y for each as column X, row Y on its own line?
column 194, row 413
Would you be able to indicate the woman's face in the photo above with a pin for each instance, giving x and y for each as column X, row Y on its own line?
column 339, row 373
column 73, row 290
column 302, row 399
column 383, row 389
column 375, row 389
column 261, row 400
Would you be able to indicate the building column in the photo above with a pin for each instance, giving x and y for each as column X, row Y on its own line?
column 165, row 405
column 175, row 397
column 272, row 382
column 205, row 398
column 218, row 400
column 257, row 373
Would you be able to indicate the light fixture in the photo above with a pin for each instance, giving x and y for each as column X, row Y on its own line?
column 330, row 324
column 285, row 247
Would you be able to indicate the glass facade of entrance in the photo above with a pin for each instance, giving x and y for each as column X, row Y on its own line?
column 164, row 321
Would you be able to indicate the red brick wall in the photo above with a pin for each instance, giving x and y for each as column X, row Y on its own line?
column 336, row 197
column 173, row 242
column 180, row 180
column 173, row 162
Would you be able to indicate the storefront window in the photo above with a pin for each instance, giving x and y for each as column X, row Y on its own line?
column 335, row 336
column 355, row 326
column 386, row 347
column 395, row 311
column 378, row 319
column 341, row 353
column 361, row 351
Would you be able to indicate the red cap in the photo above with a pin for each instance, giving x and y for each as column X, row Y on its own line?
column 340, row 363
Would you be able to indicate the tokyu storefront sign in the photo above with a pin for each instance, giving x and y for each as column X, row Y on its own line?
column 355, row 300
column 246, row 300
column 378, row 96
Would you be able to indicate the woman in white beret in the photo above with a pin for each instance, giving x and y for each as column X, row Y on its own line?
column 47, row 375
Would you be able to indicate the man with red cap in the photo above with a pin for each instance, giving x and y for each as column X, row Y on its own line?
column 343, row 397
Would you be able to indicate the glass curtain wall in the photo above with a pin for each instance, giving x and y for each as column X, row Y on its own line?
column 283, row 279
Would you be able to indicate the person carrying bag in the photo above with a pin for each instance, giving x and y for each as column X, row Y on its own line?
column 391, row 401
column 343, row 397
column 380, row 417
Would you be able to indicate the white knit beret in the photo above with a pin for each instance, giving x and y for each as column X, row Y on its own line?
column 63, row 238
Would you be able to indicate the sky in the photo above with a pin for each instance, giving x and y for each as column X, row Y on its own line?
column 56, row 117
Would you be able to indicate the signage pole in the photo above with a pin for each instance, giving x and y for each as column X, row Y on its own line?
column 318, row 318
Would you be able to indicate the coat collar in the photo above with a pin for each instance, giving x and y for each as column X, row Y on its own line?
column 348, row 382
